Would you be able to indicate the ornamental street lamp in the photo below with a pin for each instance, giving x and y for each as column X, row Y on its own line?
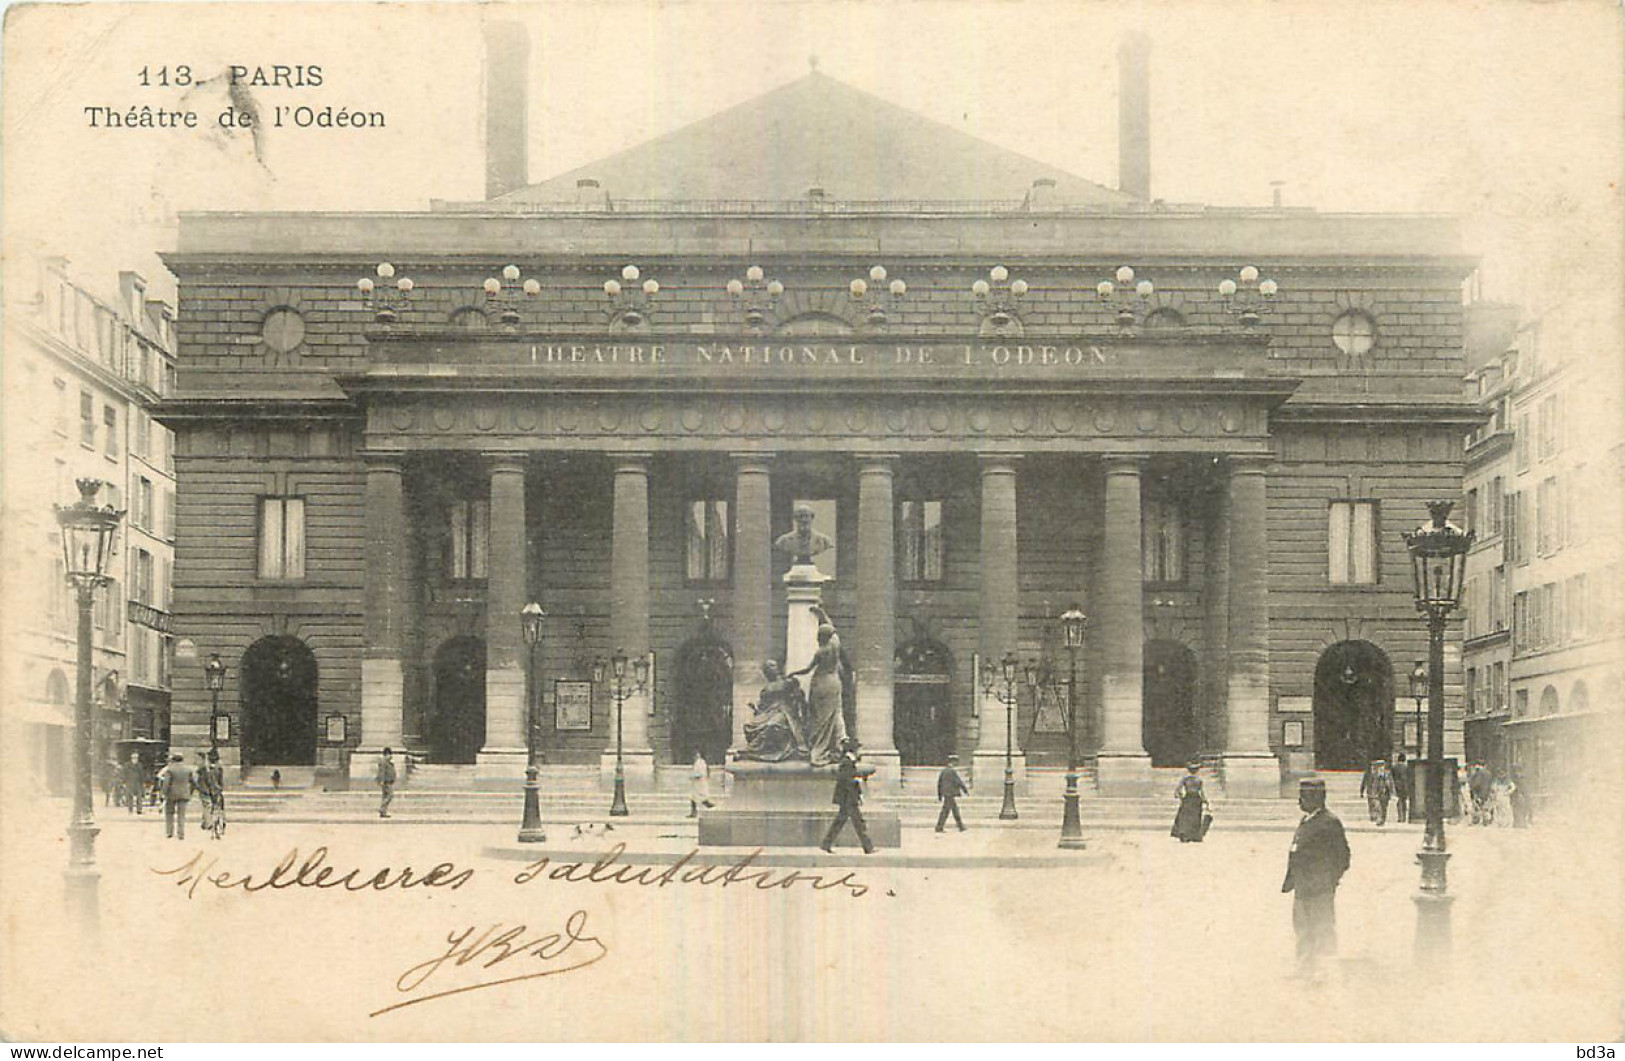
column 214, row 679
column 530, row 829
column 1007, row 671
column 87, row 541
column 1419, row 692
column 640, row 680
column 1438, row 561
column 1073, row 624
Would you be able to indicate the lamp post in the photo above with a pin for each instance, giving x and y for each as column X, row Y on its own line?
column 530, row 829
column 1419, row 692
column 1438, row 561
column 214, row 678
column 87, row 541
column 617, row 664
column 1007, row 670
column 1073, row 623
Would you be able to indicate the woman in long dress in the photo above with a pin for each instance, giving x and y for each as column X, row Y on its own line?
column 828, row 725
column 1192, row 804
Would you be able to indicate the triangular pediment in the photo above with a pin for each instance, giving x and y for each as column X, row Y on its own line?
column 817, row 132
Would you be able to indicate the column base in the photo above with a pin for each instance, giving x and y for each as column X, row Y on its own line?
column 987, row 772
column 638, row 766
column 500, row 764
column 1127, row 774
column 1252, row 776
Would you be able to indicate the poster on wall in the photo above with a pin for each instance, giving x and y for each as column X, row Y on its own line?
column 572, row 706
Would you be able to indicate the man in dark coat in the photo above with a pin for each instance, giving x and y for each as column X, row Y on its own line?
column 848, row 796
column 1377, row 786
column 176, row 783
column 950, row 786
column 1402, row 789
column 386, row 781
column 1315, row 866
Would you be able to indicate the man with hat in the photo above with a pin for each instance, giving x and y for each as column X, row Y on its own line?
column 386, row 781
column 1315, row 866
column 848, row 796
column 950, row 786
column 1377, row 786
column 175, row 783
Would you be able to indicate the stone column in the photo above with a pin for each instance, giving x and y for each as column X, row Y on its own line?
column 1124, row 767
column 629, row 610
column 752, row 605
column 1249, row 767
column 998, row 622
column 504, row 751
column 877, row 622
column 1216, row 623
column 382, row 685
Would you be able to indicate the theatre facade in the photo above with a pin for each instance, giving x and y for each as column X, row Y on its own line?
column 610, row 406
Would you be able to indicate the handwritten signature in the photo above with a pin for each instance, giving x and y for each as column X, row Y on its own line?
column 563, row 951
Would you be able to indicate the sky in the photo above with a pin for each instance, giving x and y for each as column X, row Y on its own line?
column 1509, row 114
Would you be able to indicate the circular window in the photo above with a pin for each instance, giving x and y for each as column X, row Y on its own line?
column 1354, row 333
column 284, row 329
column 469, row 319
column 1165, row 318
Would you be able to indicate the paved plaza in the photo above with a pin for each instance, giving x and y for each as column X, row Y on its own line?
column 1137, row 938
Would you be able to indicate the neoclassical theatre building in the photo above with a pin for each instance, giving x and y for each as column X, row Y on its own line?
column 1004, row 390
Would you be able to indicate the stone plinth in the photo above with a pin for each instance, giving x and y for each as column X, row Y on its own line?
column 788, row 805
column 803, row 591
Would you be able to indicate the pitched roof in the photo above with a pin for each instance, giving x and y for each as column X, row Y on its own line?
column 819, row 132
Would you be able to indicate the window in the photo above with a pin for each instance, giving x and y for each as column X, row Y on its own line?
column 921, row 553
column 1498, row 598
column 60, row 422
column 143, row 435
column 282, row 537
column 283, row 329
column 1475, row 519
column 1520, row 620
column 143, row 514
column 169, row 515
column 1354, row 333
column 1162, row 541
column 142, row 590
column 110, row 421
column 1352, row 542
column 1494, row 506
column 1521, row 705
column 87, row 419
column 1576, row 604
column 113, row 604
column 1474, row 700
column 468, row 540
column 1548, row 418
column 1546, row 517
column 1513, row 544
column 1522, row 447
column 708, row 544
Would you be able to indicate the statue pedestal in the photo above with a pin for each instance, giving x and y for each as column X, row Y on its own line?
column 788, row 805
column 803, row 591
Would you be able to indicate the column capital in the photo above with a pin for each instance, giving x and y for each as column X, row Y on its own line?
column 1123, row 463
column 1248, row 463
column 877, row 463
column 384, row 462
column 998, row 463
column 506, row 461
column 635, row 463
column 757, row 463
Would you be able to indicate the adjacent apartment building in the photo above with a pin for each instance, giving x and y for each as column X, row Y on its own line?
column 1545, row 670
column 82, row 374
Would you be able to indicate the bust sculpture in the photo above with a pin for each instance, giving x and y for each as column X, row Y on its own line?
column 803, row 543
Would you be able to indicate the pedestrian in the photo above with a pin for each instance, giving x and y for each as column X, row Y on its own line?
column 950, row 786
column 1377, row 786
column 176, row 781
column 1522, row 800
column 848, row 796
column 1315, row 866
column 386, row 782
column 699, row 786
column 1402, row 789
column 276, row 779
column 1501, row 800
column 1481, row 790
column 134, row 788
column 211, row 788
column 1192, row 806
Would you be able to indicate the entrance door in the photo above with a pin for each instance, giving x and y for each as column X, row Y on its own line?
column 279, row 703
column 1354, row 706
column 457, row 724
column 702, row 718
column 923, row 717
column 1169, row 722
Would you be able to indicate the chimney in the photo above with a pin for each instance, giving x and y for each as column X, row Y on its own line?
column 590, row 193
column 1041, row 196
column 507, row 58
column 1134, row 115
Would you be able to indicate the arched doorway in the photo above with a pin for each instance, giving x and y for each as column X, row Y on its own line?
column 1168, row 720
column 1354, row 706
column 457, row 720
column 702, row 717
column 279, row 703
column 923, row 716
